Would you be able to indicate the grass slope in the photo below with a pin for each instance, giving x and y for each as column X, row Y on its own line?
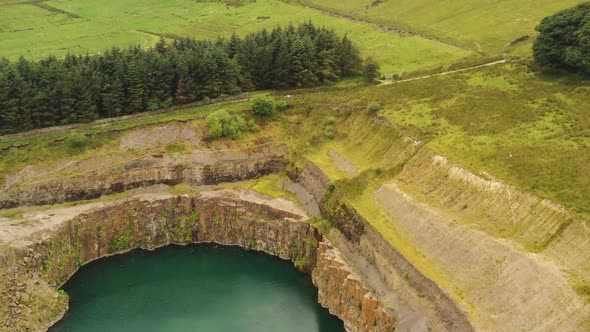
column 522, row 127
column 34, row 32
column 493, row 24
column 508, row 122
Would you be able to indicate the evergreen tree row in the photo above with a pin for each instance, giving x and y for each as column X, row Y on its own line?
column 56, row 91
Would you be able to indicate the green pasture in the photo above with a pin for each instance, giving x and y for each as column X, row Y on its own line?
column 85, row 26
column 486, row 25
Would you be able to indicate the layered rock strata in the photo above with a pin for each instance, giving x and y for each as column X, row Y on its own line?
column 83, row 179
column 41, row 251
column 402, row 285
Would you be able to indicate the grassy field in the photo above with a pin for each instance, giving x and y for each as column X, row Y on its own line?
column 85, row 26
column 489, row 24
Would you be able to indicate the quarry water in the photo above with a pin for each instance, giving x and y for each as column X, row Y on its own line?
column 206, row 288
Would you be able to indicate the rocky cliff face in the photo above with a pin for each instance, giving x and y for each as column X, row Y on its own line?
column 42, row 251
column 445, row 250
column 415, row 297
column 497, row 247
column 466, row 250
column 344, row 293
column 96, row 176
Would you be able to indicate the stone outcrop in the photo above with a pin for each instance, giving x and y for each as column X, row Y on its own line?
column 402, row 284
column 82, row 180
column 41, row 251
column 343, row 292
column 477, row 254
column 313, row 180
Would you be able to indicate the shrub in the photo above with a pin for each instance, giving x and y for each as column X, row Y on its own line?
column 328, row 132
column 371, row 70
column 282, row 105
column 329, row 121
column 264, row 106
column 331, row 187
column 378, row 171
column 314, row 139
column 77, row 142
column 374, row 108
column 252, row 126
column 222, row 124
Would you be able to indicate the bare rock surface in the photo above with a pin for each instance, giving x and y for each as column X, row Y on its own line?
column 161, row 136
column 342, row 163
column 494, row 277
column 100, row 175
column 43, row 249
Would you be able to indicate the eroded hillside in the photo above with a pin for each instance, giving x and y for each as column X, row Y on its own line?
column 442, row 234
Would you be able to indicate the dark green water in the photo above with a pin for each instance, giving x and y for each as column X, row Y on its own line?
column 197, row 288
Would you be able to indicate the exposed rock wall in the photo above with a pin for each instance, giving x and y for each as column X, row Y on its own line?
column 397, row 274
column 501, row 211
column 200, row 167
column 313, row 180
column 503, row 288
column 43, row 250
column 410, row 284
column 344, row 293
column 512, row 257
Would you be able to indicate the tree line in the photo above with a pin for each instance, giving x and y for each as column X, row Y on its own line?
column 79, row 88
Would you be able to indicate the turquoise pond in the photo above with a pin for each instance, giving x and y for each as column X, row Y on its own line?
column 205, row 288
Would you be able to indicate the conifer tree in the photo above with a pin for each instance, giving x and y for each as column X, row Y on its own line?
column 348, row 58
column 78, row 88
column 136, row 94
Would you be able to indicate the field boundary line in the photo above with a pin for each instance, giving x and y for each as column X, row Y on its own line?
column 380, row 26
column 50, row 8
column 26, row 2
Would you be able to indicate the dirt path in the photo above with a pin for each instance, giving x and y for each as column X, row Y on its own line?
column 445, row 72
column 382, row 27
